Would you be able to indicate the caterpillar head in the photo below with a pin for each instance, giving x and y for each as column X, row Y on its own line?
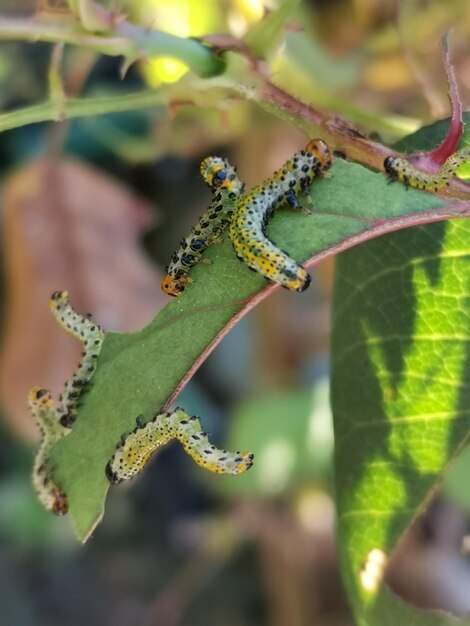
column 219, row 174
column 58, row 300
column 319, row 149
column 214, row 171
column 60, row 505
column 392, row 167
column 111, row 475
column 174, row 286
column 300, row 282
column 39, row 395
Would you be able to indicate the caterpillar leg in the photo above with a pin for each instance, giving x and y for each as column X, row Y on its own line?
column 294, row 203
column 91, row 336
column 48, row 491
column 134, row 450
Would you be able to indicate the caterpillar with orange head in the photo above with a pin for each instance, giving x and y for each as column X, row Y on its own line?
column 135, row 449
column 224, row 183
column 248, row 225
column 398, row 168
column 55, row 423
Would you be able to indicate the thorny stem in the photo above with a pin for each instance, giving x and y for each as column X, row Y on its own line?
column 133, row 41
column 337, row 132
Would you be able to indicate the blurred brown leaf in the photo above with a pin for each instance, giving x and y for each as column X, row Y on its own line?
column 66, row 226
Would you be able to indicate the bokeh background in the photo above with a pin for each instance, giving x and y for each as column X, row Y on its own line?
column 96, row 206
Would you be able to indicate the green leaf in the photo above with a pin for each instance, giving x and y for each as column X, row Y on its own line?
column 323, row 70
column 456, row 481
column 139, row 372
column 265, row 36
column 400, row 391
column 290, row 434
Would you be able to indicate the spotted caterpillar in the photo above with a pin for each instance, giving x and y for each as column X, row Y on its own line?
column 55, row 423
column 222, row 179
column 401, row 169
column 134, row 450
column 91, row 337
column 49, row 493
column 248, row 224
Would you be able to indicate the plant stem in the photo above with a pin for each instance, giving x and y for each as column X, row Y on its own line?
column 82, row 107
column 127, row 40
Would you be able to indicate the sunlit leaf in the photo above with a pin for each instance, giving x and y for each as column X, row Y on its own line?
column 400, row 392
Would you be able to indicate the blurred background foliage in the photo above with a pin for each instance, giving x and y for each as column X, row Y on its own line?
column 178, row 547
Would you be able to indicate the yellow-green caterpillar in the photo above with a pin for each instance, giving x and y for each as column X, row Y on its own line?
column 49, row 493
column 401, row 169
column 91, row 336
column 247, row 228
column 55, row 423
column 224, row 183
column 134, row 450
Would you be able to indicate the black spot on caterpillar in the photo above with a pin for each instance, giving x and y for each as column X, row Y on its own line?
column 401, row 169
column 247, row 228
column 227, row 188
column 134, row 450
column 55, row 423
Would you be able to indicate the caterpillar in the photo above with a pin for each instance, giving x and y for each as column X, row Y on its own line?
column 224, row 183
column 134, row 450
column 55, row 423
column 401, row 169
column 248, row 226
column 49, row 493
column 91, row 336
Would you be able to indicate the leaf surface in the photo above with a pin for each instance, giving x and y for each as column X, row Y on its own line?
column 400, row 392
column 139, row 373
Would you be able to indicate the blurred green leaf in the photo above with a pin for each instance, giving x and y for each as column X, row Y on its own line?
column 400, row 391
column 290, row 433
column 323, row 70
column 304, row 68
column 265, row 36
column 25, row 524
